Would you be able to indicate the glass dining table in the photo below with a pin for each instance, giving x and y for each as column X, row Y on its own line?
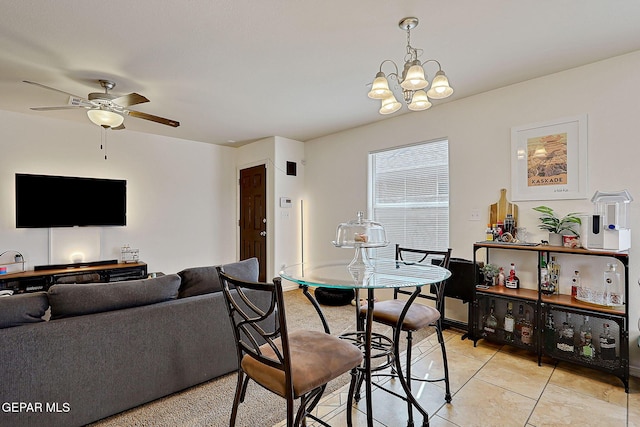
column 377, row 274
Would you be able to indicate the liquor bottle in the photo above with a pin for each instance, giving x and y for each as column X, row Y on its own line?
column 512, row 281
column 545, row 284
column 527, row 330
column 549, row 333
column 490, row 322
column 554, row 274
column 509, row 323
column 583, row 331
column 575, row 284
column 501, row 277
column 565, row 338
column 489, row 233
column 607, row 344
column 612, row 292
column 586, row 346
column 519, row 322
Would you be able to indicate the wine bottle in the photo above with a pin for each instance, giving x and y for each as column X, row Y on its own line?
column 586, row 346
column 549, row 333
column 554, row 274
column 490, row 322
column 509, row 323
column 527, row 330
column 545, row 284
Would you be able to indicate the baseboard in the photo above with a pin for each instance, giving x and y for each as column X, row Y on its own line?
column 634, row 371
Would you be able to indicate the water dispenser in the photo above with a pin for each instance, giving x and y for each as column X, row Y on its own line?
column 608, row 227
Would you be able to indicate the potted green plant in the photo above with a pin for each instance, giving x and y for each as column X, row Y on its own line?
column 557, row 227
column 490, row 271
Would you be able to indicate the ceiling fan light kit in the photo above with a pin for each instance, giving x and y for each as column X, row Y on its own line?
column 105, row 118
column 412, row 81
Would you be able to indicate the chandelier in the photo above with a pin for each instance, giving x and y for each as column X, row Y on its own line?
column 412, row 81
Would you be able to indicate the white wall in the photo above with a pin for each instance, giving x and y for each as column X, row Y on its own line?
column 180, row 194
column 478, row 129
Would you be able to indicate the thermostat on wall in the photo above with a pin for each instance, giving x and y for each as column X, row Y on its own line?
column 285, row 202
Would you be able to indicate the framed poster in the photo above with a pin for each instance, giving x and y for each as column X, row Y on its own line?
column 549, row 160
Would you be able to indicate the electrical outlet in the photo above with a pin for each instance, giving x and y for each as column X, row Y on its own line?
column 475, row 215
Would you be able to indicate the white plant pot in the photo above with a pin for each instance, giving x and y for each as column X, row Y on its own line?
column 555, row 239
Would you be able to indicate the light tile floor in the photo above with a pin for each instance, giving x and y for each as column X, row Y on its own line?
column 495, row 385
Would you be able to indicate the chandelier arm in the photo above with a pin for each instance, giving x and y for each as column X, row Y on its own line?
column 394, row 66
column 433, row 60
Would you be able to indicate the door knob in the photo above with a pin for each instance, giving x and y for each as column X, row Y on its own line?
column 263, row 233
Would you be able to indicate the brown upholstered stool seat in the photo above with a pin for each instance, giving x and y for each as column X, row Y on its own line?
column 418, row 316
column 316, row 358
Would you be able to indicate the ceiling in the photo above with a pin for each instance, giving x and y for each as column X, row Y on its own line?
column 234, row 71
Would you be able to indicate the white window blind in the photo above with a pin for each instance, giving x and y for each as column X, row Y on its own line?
column 409, row 195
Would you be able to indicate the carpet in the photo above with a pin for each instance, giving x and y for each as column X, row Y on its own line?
column 209, row 404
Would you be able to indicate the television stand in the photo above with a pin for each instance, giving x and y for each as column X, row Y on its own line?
column 43, row 279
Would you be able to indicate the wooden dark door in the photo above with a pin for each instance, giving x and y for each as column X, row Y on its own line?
column 253, row 216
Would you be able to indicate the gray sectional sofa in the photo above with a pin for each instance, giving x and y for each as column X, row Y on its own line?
column 109, row 347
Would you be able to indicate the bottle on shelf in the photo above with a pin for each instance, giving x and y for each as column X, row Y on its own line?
column 489, row 233
column 607, row 344
column 586, row 348
column 565, row 338
column 519, row 322
column 612, row 291
column 512, row 282
column 509, row 323
column 554, row 274
column 526, row 330
column 575, row 284
column 549, row 333
column 490, row 322
column 545, row 284
column 501, row 277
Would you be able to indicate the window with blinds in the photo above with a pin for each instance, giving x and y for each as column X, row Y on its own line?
column 409, row 195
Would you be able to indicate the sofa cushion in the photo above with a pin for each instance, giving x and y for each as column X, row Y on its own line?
column 21, row 309
column 247, row 270
column 69, row 300
column 198, row 281
column 204, row 280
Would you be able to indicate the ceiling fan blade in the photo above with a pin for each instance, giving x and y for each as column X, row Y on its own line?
column 153, row 118
column 53, row 89
column 61, row 107
column 130, row 99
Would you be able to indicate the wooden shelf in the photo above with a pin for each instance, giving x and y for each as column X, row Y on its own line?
column 521, row 293
column 569, row 301
column 556, row 249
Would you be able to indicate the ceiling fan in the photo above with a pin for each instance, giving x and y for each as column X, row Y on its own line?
column 105, row 109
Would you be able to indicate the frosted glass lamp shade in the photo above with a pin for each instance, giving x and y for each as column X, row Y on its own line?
column 105, row 118
column 440, row 86
column 414, row 80
column 380, row 87
column 420, row 101
column 390, row 105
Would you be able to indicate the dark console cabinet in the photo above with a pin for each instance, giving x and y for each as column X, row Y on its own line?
column 41, row 280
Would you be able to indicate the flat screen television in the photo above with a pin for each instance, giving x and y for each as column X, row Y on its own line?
column 44, row 201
